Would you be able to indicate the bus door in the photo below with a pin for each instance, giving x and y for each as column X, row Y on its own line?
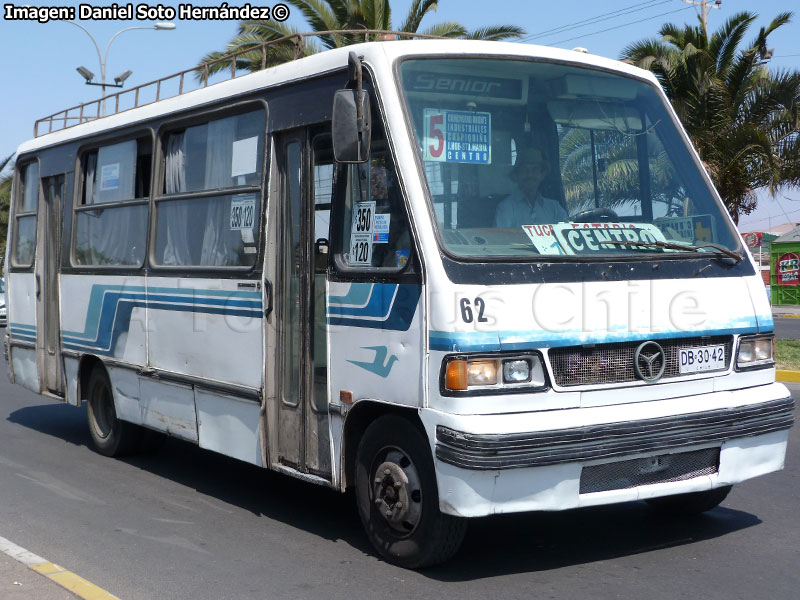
column 306, row 169
column 47, row 289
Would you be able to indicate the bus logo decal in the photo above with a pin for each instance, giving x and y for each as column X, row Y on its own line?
column 379, row 365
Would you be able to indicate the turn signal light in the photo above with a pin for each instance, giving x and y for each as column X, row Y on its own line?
column 456, row 376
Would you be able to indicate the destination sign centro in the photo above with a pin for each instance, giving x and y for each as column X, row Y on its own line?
column 590, row 238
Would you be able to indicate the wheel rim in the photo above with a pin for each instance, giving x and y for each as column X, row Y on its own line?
column 103, row 412
column 397, row 490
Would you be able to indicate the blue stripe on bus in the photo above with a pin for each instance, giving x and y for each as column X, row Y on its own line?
column 529, row 340
column 378, row 305
column 357, row 295
column 113, row 325
column 766, row 324
column 390, row 307
column 110, row 309
column 22, row 337
column 98, row 304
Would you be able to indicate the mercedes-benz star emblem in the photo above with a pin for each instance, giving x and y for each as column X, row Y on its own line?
column 649, row 362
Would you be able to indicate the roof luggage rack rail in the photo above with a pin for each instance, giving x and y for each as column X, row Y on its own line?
column 153, row 91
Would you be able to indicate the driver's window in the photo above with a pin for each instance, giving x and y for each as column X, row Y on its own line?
column 375, row 231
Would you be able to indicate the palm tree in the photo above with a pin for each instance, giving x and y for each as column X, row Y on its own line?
column 742, row 118
column 615, row 170
column 334, row 15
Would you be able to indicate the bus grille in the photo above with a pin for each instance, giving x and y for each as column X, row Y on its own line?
column 613, row 363
column 646, row 471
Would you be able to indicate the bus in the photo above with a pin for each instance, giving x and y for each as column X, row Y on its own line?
column 460, row 278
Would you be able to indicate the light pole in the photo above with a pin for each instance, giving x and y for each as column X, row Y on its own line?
column 103, row 58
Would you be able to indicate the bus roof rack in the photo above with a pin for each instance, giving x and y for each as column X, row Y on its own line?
column 156, row 90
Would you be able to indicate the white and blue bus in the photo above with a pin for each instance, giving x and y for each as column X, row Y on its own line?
column 463, row 278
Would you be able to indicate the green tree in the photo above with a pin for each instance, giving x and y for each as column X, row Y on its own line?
column 6, row 177
column 743, row 119
column 333, row 15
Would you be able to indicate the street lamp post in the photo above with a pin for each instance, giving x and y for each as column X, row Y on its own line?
column 103, row 58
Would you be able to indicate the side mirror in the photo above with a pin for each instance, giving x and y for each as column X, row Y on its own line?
column 351, row 126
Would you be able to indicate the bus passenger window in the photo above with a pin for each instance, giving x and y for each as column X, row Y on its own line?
column 218, row 230
column 25, row 217
column 111, row 221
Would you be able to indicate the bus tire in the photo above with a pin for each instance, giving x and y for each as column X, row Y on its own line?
column 110, row 435
column 688, row 505
column 397, row 496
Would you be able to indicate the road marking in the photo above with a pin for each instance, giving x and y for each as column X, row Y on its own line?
column 786, row 375
column 66, row 579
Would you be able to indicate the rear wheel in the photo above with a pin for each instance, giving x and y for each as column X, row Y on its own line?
column 397, row 496
column 687, row 505
column 110, row 436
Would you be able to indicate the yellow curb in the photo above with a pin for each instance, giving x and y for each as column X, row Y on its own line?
column 787, row 316
column 74, row 583
column 786, row 375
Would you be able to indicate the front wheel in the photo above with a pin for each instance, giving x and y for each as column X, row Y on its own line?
column 110, row 435
column 397, row 496
column 689, row 505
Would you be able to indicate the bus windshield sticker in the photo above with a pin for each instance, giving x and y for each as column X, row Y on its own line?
column 543, row 238
column 458, row 136
column 697, row 229
column 247, row 236
column 245, row 153
column 602, row 238
column 109, row 177
column 472, row 86
column 243, row 211
column 380, row 231
column 361, row 234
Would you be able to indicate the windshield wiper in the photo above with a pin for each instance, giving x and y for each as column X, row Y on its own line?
column 688, row 247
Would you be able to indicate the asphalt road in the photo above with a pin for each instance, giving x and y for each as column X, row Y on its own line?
column 191, row 524
column 787, row 328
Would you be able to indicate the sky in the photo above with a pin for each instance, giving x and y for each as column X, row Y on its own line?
column 40, row 58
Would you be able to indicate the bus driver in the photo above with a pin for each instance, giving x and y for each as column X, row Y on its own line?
column 526, row 205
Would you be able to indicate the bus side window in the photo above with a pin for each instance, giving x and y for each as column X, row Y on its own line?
column 198, row 229
column 111, row 221
column 25, row 216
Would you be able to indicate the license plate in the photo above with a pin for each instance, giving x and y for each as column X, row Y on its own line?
column 697, row 360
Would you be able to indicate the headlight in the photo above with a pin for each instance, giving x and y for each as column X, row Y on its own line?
column 755, row 352
column 487, row 374
column 481, row 372
column 516, row 371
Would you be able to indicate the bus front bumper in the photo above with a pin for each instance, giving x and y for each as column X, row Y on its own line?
column 556, row 460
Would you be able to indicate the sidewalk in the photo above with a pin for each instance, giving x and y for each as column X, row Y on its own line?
column 18, row 582
column 786, row 311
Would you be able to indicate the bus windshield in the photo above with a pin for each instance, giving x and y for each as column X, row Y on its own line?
column 524, row 158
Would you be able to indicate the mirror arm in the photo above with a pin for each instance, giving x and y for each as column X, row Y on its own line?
column 355, row 72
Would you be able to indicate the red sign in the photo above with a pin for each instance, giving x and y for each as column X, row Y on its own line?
column 788, row 269
column 753, row 240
